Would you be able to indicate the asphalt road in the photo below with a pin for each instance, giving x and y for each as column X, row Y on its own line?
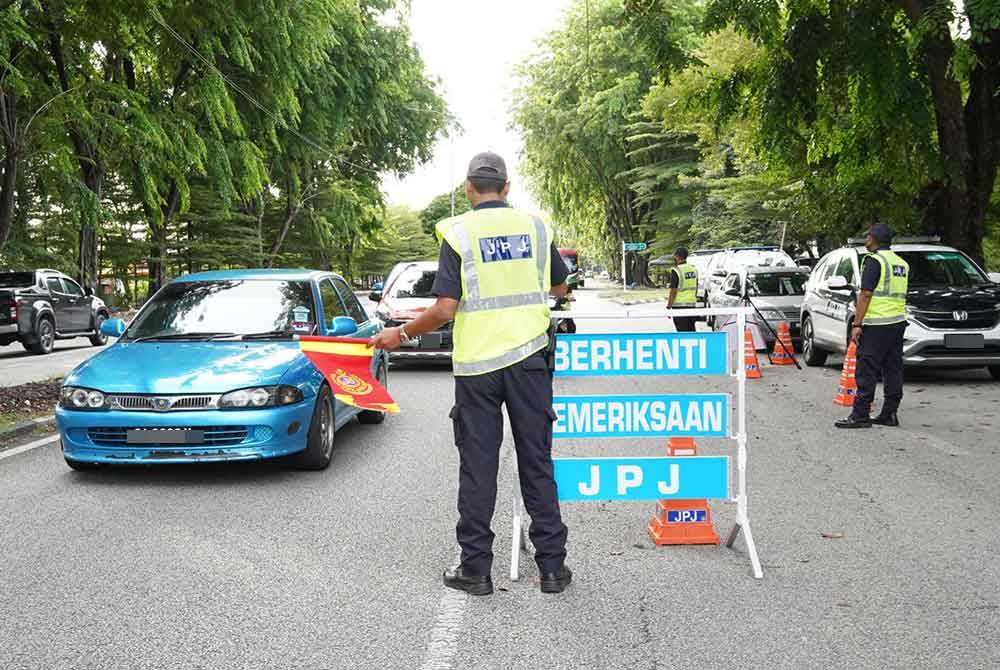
column 18, row 366
column 258, row 566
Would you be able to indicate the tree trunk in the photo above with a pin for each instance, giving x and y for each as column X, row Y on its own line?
column 8, row 185
column 89, row 267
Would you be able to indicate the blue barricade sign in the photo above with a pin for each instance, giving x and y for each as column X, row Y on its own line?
column 641, row 354
column 642, row 478
column 695, row 415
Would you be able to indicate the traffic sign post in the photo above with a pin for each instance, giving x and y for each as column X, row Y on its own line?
column 657, row 415
column 626, row 247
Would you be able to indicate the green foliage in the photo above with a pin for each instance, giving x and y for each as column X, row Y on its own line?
column 440, row 208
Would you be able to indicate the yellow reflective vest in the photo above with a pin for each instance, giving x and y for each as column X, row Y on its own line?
column 503, row 316
column 687, row 285
column 888, row 304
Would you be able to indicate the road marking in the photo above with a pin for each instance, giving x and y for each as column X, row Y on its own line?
column 7, row 453
column 444, row 636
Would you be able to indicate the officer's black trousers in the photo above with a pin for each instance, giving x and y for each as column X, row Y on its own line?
column 880, row 350
column 526, row 389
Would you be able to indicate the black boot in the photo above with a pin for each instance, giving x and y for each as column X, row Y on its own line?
column 556, row 582
column 851, row 422
column 477, row 585
column 886, row 419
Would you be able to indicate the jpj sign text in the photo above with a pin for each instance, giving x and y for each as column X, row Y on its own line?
column 641, row 354
column 642, row 478
column 695, row 415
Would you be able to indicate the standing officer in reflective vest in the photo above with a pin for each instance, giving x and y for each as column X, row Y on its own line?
column 878, row 331
column 496, row 269
column 683, row 283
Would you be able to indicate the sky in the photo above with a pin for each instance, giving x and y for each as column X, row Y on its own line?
column 473, row 50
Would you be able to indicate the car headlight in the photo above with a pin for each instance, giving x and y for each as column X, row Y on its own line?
column 74, row 397
column 258, row 397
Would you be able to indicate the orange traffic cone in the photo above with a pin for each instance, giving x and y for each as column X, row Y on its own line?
column 783, row 351
column 682, row 521
column 750, row 356
column 848, row 387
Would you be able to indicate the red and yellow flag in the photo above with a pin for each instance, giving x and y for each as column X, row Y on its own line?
column 346, row 363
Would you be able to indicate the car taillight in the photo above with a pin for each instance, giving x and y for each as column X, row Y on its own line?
column 13, row 309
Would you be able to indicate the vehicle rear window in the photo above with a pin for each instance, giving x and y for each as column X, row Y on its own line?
column 942, row 268
column 778, row 284
column 413, row 283
column 17, row 279
column 242, row 307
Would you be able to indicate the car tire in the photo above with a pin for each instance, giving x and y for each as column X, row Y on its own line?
column 811, row 354
column 371, row 417
column 994, row 371
column 322, row 431
column 99, row 339
column 45, row 337
column 82, row 466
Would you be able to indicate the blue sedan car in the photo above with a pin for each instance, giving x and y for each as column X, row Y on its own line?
column 210, row 370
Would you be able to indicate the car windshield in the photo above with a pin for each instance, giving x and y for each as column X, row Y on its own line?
column 413, row 283
column 775, row 284
column 17, row 279
column 942, row 268
column 767, row 259
column 234, row 307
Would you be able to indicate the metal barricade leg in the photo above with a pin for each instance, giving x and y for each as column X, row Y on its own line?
column 517, row 533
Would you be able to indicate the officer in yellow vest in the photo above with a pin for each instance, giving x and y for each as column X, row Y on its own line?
column 878, row 331
column 683, row 284
column 496, row 269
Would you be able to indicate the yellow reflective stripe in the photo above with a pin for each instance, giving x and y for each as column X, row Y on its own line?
column 502, row 302
column 469, row 271
column 504, row 360
column 543, row 250
column 339, row 348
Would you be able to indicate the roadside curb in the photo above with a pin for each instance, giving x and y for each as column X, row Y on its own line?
column 25, row 427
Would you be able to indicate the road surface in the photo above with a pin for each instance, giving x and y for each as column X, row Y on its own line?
column 18, row 366
column 259, row 566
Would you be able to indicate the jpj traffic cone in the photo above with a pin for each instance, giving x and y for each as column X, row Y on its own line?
column 848, row 387
column 750, row 356
column 783, row 353
column 682, row 521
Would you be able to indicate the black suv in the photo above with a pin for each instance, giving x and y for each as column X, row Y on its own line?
column 952, row 306
column 37, row 308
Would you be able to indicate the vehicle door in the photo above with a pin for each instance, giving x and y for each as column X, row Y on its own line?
column 821, row 305
column 333, row 307
column 79, row 305
column 366, row 325
column 61, row 307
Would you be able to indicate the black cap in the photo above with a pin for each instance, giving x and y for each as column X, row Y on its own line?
column 881, row 233
column 681, row 252
column 488, row 165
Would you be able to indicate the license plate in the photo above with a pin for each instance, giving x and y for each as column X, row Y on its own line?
column 430, row 341
column 165, row 436
column 964, row 341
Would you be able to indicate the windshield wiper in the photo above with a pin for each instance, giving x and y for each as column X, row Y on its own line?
column 180, row 336
column 254, row 336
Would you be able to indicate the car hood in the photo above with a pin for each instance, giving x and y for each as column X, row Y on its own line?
column 186, row 367
column 945, row 299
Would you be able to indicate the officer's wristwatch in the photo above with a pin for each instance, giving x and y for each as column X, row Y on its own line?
column 403, row 337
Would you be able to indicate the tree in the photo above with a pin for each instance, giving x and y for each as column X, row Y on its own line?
column 440, row 208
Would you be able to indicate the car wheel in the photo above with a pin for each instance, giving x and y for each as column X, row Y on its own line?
column 45, row 337
column 322, row 429
column 371, row 417
column 82, row 466
column 995, row 371
column 98, row 339
column 811, row 354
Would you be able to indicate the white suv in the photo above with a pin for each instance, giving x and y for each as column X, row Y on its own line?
column 952, row 307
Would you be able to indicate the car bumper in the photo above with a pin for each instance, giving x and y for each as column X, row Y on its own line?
column 925, row 347
column 236, row 435
column 436, row 345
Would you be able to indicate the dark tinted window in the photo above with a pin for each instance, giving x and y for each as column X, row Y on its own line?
column 778, row 284
column 570, row 261
column 17, row 279
column 942, row 268
column 845, row 269
column 354, row 309
column 413, row 283
column 238, row 306
column 72, row 287
column 332, row 307
column 54, row 285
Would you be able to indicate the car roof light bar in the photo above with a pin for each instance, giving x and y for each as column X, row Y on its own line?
column 922, row 239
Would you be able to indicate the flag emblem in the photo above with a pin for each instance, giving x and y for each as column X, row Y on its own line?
column 352, row 384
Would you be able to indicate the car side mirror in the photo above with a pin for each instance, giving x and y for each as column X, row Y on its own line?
column 994, row 277
column 342, row 325
column 375, row 296
column 837, row 283
column 113, row 327
column 87, row 291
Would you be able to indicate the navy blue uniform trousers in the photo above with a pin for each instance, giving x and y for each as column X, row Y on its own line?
column 880, row 351
column 526, row 389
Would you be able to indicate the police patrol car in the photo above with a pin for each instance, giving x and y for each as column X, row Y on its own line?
column 952, row 307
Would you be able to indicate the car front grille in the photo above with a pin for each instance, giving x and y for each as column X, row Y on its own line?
column 162, row 403
column 976, row 320
column 215, row 436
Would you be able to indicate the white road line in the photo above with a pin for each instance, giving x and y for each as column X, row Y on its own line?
column 444, row 636
column 7, row 453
